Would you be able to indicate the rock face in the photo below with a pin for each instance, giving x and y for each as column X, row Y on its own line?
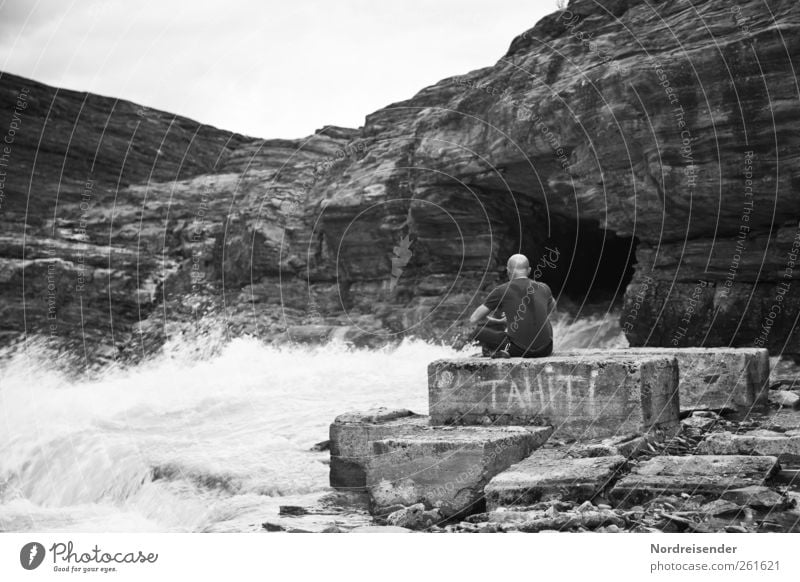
column 112, row 212
column 632, row 149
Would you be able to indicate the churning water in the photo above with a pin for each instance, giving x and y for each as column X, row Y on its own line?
column 188, row 443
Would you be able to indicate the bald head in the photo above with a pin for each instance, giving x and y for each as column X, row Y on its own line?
column 518, row 266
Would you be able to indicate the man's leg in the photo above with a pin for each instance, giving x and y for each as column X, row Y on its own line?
column 492, row 338
column 518, row 352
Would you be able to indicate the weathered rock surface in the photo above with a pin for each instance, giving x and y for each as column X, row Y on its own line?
column 697, row 474
column 783, row 421
column 698, row 423
column 566, row 521
column 784, row 398
column 129, row 223
column 328, row 512
column 446, row 468
column 756, row 496
column 720, row 507
column 414, row 517
column 783, row 445
column 113, row 211
column 352, row 439
column 711, row 378
column 551, row 474
column 580, row 396
column 626, row 446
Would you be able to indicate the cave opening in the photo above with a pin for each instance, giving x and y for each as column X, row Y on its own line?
column 582, row 262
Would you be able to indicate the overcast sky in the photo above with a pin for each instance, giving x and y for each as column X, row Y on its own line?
column 259, row 67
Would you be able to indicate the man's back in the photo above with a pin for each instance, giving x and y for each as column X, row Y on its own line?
column 527, row 305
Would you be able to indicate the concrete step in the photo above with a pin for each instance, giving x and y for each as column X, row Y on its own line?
column 783, row 445
column 352, row 436
column 696, row 474
column 445, row 467
column 712, row 378
column 582, row 397
column 550, row 474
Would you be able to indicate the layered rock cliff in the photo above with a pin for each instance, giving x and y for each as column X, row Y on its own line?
column 641, row 153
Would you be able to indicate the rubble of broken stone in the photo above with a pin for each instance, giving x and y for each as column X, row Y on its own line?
column 770, row 504
column 733, row 470
column 745, row 478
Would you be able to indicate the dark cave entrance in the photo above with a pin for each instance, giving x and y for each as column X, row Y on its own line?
column 582, row 262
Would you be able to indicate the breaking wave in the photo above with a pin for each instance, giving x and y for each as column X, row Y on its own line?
column 197, row 440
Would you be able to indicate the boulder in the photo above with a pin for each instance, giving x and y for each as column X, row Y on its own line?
column 697, row 474
column 784, row 398
column 783, row 420
column 698, row 423
column 352, row 436
column 309, row 334
column 720, row 507
column 414, row 517
column 580, row 396
column 784, row 446
column 551, row 474
column 713, row 378
column 410, row 517
column 446, row 468
column 321, row 512
column 756, row 496
column 626, row 445
column 573, row 520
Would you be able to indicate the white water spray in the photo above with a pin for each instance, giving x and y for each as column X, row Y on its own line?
column 187, row 443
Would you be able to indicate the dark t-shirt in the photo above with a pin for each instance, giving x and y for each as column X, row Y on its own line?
column 527, row 304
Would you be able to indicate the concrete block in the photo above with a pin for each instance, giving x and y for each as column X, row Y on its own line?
column 697, row 474
column 581, row 397
column 551, row 474
column 446, row 467
column 713, row 378
column 352, row 436
column 783, row 445
column 783, row 420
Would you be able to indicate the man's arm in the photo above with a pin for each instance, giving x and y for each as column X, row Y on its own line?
column 491, row 303
column 483, row 312
column 478, row 315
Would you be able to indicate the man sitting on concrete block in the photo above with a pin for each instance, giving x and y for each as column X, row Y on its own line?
column 524, row 330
